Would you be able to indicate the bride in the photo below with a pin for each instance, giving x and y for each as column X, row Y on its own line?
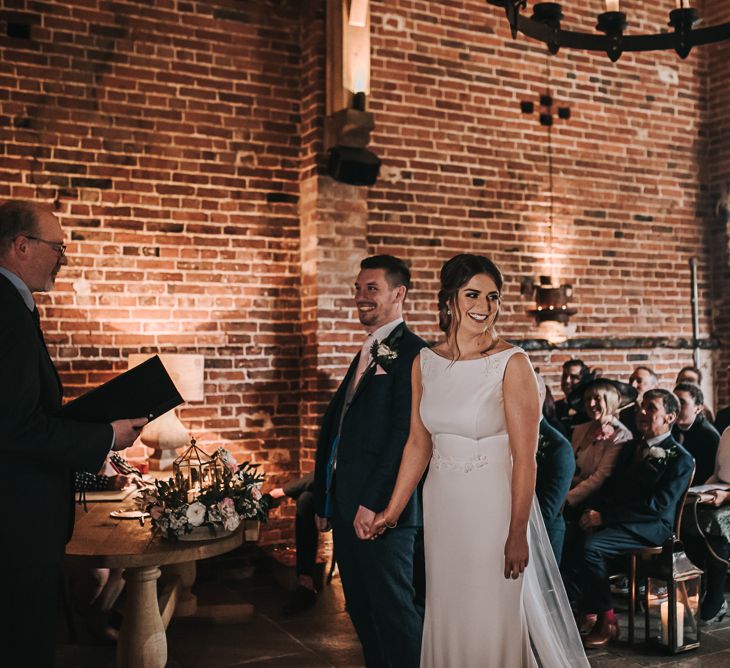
column 493, row 592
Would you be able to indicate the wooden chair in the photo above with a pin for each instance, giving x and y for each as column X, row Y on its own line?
column 652, row 555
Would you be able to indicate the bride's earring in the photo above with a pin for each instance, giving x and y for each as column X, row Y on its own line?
column 448, row 311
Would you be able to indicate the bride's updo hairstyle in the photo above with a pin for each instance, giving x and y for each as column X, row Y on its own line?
column 455, row 274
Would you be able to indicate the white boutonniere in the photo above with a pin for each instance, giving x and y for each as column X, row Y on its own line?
column 658, row 455
column 383, row 355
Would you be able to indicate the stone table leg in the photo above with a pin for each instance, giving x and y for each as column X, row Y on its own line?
column 142, row 642
column 187, row 602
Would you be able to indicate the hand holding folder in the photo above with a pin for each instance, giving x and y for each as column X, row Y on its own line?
column 145, row 391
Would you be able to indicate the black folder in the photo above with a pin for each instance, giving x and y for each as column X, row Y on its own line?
column 144, row 391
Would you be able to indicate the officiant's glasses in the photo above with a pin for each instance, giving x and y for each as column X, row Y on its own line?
column 58, row 247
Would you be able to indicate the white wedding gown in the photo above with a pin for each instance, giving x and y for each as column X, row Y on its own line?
column 475, row 618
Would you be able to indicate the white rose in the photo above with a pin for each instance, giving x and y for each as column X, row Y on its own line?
column 256, row 493
column 231, row 522
column 657, row 452
column 196, row 513
column 385, row 352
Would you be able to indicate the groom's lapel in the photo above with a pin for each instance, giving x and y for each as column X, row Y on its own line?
column 391, row 339
column 342, row 389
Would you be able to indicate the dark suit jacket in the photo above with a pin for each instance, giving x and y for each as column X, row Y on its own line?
column 374, row 431
column 642, row 497
column 39, row 450
column 701, row 441
column 569, row 417
column 295, row 487
column 628, row 418
column 722, row 419
column 555, row 470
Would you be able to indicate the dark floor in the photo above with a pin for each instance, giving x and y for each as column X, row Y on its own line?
column 321, row 637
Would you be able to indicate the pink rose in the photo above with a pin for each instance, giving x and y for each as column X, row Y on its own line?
column 156, row 512
column 231, row 523
column 227, row 507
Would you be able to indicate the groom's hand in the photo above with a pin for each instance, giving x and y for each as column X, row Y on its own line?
column 363, row 522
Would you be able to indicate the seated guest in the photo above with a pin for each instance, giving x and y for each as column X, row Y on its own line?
column 636, row 509
column 307, row 537
column 642, row 379
column 94, row 591
column 691, row 374
column 695, row 432
column 597, row 444
column 555, row 468
column 722, row 461
column 575, row 372
column 709, row 551
column 722, row 420
column 549, row 412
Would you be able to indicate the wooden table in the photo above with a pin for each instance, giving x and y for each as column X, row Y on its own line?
column 100, row 541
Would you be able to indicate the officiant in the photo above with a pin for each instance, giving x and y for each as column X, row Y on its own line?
column 40, row 450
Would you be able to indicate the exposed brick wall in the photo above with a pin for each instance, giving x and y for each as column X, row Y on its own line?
column 466, row 170
column 716, row 180
column 182, row 144
column 168, row 134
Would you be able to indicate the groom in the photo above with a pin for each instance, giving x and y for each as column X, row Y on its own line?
column 358, row 454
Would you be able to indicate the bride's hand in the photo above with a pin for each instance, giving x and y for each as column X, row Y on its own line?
column 378, row 526
column 516, row 556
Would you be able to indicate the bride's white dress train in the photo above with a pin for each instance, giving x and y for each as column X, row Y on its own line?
column 474, row 616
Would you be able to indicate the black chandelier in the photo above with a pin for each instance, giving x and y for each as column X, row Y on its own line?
column 544, row 26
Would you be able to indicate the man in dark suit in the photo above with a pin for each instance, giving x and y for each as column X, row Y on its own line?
column 555, row 470
column 694, row 432
column 636, row 508
column 306, row 537
column 642, row 379
column 40, row 451
column 575, row 373
column 359, row 450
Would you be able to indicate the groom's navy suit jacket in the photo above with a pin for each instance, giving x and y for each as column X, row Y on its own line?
column 374, row 430
column 39, row 451
column 642, row 497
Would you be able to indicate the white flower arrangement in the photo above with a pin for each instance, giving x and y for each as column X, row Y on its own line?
column 383, row 355
column 657, row 452
column 231, row 497
column 659, row 455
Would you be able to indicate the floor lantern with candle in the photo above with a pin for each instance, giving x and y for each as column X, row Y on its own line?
column 672, row 603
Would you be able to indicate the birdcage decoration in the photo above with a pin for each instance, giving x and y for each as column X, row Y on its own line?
column 223, row 466
column 193, row 470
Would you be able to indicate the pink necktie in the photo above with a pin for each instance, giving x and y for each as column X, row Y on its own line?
column 364, row 361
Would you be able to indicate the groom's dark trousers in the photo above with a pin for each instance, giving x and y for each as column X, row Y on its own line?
column 377, row 579
column 370, row 433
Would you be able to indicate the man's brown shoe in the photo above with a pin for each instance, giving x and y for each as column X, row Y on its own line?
column 602, row 634
column 587, row 624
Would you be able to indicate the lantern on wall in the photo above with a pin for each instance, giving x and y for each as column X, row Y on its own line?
column 673, row 604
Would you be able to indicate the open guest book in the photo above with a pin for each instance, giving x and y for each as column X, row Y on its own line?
column 144, row 391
